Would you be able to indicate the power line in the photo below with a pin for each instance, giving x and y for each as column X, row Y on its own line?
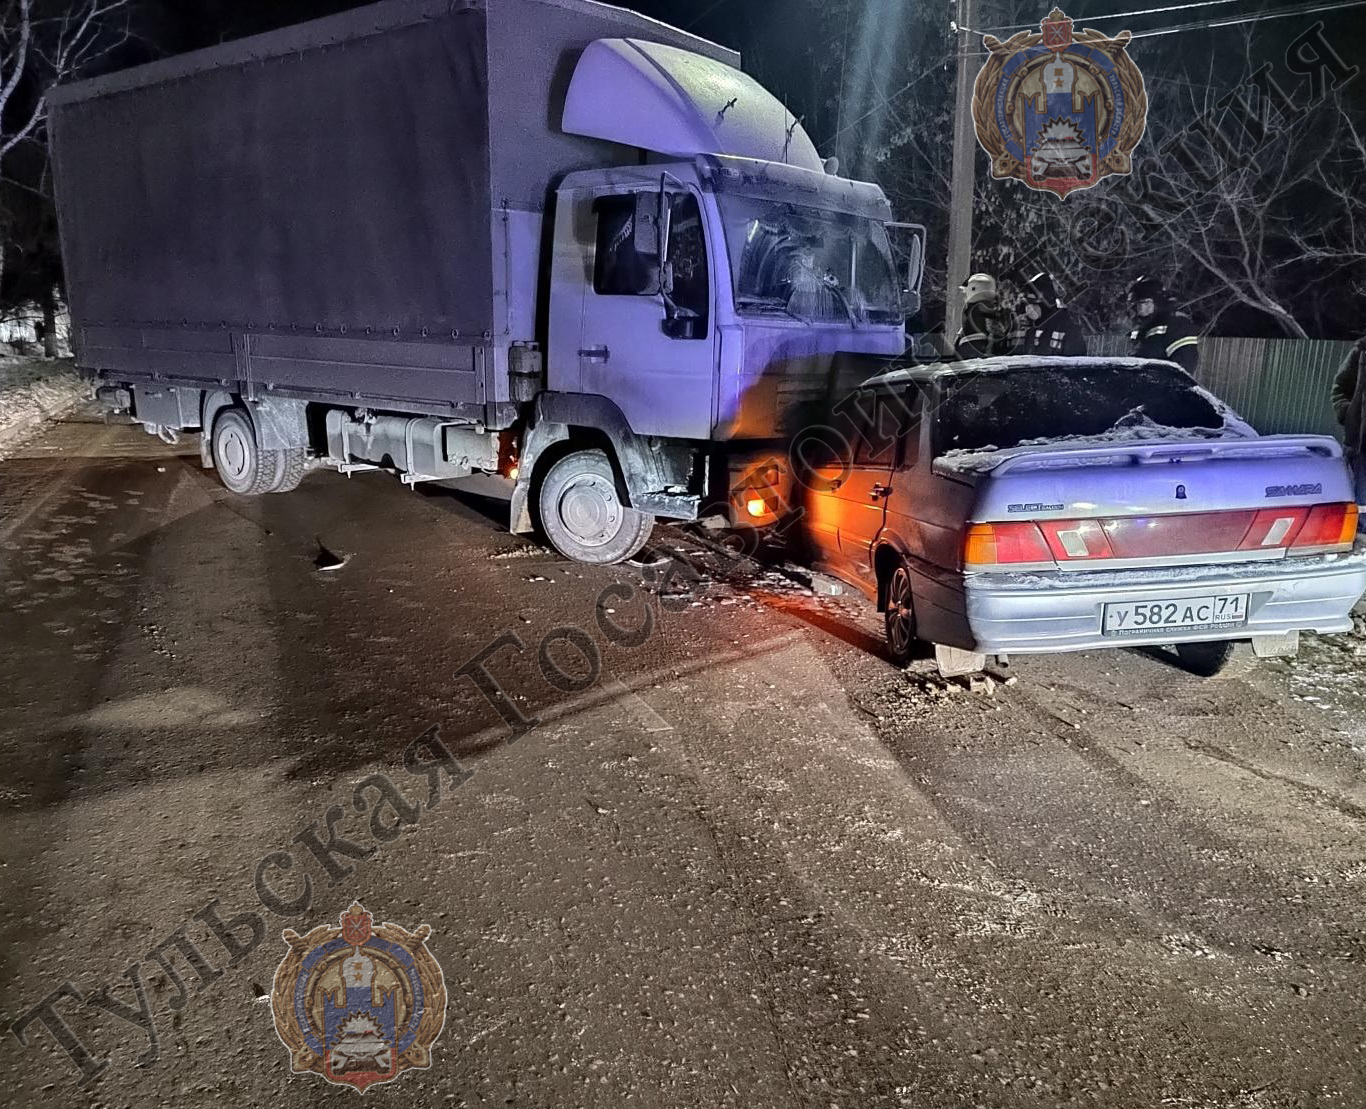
column 1230, row 21
column 928, row 71
column 704, row 13
column 1126, row 15
column 1206, row 24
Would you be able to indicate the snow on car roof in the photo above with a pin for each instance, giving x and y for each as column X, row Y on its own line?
column 986, row 459
column 1004, row 364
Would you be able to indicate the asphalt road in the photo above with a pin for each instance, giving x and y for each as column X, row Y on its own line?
column 741, row 860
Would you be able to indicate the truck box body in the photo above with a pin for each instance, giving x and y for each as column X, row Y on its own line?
column 351, row 208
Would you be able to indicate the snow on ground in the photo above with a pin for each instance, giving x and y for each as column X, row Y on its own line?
column 1329, row 672
column 32, row 391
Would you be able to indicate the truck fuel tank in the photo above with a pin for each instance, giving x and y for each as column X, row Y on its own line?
column 420, row 448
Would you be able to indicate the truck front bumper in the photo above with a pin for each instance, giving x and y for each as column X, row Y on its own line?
column 1044, row 613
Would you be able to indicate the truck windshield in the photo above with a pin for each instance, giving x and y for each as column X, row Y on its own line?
column 814, row 265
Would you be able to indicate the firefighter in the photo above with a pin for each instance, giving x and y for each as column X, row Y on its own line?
column 1160, row 331
column 987, row 325
column 1047, row 327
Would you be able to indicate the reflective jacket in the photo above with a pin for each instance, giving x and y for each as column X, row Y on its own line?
column 987, row 330
column 1053, row 334
column 1168, row 335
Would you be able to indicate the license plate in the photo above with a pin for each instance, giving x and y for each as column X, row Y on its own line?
column 1192, row 614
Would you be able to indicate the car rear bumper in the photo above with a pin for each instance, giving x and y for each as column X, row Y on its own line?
column 1040, row 613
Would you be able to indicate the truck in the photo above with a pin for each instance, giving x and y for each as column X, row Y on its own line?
column 550, row 240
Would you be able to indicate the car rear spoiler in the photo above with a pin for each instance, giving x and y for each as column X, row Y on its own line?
column 1139, row 452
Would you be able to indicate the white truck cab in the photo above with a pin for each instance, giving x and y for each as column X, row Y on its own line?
column 703, row 294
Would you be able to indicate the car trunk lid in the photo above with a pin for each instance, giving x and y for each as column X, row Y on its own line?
column 1083, row 505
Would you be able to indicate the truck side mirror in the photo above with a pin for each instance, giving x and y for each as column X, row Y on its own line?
column 908, row 242
column 915, row 266
column 645, row 236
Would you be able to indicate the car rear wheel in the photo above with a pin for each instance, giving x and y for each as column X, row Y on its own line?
column 582, row 513
column 899, row 616
column 1226, row 659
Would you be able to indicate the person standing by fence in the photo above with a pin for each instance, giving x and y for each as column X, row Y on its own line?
column 1047, row 326
column 1160, row 331
column 987, row 325
column 1349, row 405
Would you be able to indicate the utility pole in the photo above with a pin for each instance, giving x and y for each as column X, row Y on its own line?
column 963, row 181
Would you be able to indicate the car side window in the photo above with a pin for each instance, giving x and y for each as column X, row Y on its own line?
column 883, row 421
column 910, row 406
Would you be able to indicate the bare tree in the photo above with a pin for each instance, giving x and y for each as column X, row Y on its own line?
column 43, row 42
column 1253, row 219
column 1275, row 223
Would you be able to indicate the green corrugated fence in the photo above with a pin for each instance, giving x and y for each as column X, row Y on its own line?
column 1277, row 385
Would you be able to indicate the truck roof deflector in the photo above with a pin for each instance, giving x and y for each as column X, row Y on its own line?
column 675, row 102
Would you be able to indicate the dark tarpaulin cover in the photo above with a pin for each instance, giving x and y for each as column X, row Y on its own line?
column 343, row 186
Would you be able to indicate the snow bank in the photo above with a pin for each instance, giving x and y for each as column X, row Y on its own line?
column 32, row 391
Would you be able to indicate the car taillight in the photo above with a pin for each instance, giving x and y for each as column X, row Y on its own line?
column 1014, row 544
column 1069, row 540
column 1328, row 527
column 1274, row 529
column 1299, row 529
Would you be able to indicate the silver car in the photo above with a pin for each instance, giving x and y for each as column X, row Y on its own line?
column 1032, row 505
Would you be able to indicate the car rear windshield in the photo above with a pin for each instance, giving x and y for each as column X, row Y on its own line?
column 1004, row 409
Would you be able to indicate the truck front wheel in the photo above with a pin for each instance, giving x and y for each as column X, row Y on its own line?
column 582, row 513
column 241, row 463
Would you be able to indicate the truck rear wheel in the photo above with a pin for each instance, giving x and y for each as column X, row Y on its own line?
column 243, row 467
column 582, row 513
column 293, row 467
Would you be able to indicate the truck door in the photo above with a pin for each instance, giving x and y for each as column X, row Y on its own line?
column 651, row 352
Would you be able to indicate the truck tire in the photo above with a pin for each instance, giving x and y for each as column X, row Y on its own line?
column 243, row 467
column 1228, row 658
column 582, row 513
column 293, row 467
column 899, row 618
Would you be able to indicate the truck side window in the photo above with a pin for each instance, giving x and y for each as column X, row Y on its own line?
column 618, row 268
column 691, row 292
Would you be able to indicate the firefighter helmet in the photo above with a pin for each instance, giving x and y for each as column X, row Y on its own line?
column 979, row 287
column 1147, row 288
column 1040, row 289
